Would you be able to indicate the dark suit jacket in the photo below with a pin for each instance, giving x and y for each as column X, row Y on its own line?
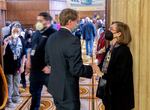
column 119, row 76
column 63, row 54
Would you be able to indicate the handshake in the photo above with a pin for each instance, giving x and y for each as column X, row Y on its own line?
column 96, row 69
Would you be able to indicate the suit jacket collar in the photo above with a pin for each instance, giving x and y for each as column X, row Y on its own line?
column 65, row 29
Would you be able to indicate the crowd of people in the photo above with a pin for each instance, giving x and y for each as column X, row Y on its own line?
column 51, row 54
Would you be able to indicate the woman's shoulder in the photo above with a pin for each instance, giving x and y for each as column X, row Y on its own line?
column 122, row 50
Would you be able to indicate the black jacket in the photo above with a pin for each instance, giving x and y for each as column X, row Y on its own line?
column 38, row 44
column 63, row 54
column 119, row 76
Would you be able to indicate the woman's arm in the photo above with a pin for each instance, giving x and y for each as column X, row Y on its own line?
column 5, row 43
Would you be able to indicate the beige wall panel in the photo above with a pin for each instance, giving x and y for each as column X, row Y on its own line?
column 136, row 13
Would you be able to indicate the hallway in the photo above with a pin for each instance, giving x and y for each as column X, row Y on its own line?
column 135, row 13
column 86, row 91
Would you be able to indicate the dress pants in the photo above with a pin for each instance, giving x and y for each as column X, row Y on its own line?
column 37, row 80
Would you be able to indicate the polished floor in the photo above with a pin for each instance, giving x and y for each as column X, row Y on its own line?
column 87, row 88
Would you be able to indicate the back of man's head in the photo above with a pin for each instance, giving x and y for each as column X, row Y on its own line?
column 87, row 19
column 66, row 15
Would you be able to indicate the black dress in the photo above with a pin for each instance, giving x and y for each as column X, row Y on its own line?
column 119, row 88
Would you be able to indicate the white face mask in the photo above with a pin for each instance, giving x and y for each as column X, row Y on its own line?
column 39, row 26
column 15, row 35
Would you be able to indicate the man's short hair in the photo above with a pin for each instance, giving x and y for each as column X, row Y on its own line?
column 46, row 16
column 66, row 15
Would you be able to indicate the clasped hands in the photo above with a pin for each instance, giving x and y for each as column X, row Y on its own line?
column 96, row 69
column 46, row 69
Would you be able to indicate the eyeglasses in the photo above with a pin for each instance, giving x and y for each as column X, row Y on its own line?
column 111, row 29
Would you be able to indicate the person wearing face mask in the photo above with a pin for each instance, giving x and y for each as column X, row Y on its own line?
column 13, row 55
column 117, row 69
column 39, row 71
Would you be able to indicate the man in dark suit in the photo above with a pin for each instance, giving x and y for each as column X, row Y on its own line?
column 63, row 54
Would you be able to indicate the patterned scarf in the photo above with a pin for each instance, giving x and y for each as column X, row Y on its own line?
column 107, row 58
column 16, row 47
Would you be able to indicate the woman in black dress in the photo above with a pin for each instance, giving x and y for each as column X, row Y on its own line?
column 117, row 69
